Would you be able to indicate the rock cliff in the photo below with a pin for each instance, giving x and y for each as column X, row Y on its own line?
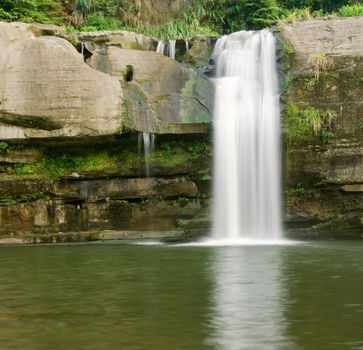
column 73, row 107
column 324, row 127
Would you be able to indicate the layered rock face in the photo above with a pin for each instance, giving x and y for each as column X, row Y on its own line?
column 101, row 192
column 72, row 111
column 324, row 166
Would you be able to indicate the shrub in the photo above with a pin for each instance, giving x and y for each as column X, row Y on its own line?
column 298, row 191
column 43, row 11
column 351, row 10
column 96, row 22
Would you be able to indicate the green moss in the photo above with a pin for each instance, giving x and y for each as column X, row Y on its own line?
column 130, row 159
column 55, row 166
column 206, row 177
column 26, row 197
column 182, row 201
column 159, row 158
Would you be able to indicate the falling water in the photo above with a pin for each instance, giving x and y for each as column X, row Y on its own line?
column 161, row 47
column 149, row 142
column 247, row 138
column 172, row 44
column 170, row 48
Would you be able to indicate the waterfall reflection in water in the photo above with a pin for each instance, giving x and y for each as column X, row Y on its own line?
column 247, row 309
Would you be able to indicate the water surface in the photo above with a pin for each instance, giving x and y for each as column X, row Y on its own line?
column 306, row 296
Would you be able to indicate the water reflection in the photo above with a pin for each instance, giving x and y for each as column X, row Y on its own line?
column 248, row 310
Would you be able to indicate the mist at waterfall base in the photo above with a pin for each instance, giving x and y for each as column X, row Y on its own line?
column 247, row 205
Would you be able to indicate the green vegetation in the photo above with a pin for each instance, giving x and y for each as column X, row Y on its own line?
column 203, row 17
column 182, row 201
column 352, row 10
column 195, row 148
column 95, row 22
column 299, row 14
column 54, row 166
column 298, row 191
column 4, row 146
column 26, row 197
column 320, row 62
column 288, row 49
column 42, row 11
column 110, row 159
column 308, row 123
column 316, row 5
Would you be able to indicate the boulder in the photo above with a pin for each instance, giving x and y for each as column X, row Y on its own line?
column 201, row 48
column 47, row 91
column 160, row 94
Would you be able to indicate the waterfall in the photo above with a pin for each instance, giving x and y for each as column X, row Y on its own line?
column 247, row 138
column 161, row 47
column 148, row 140
column 171, row 48
column 172, row 44
column 186, row 46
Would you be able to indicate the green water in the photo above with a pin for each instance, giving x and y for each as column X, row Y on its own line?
column 307, row 296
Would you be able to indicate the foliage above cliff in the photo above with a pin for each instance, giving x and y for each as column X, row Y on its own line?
column 42, row 11
column 205, row 17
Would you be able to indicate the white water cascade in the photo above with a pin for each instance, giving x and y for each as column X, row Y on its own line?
column 247, row 138
column 172, row 44
column 148, row 141
column 161, row 47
